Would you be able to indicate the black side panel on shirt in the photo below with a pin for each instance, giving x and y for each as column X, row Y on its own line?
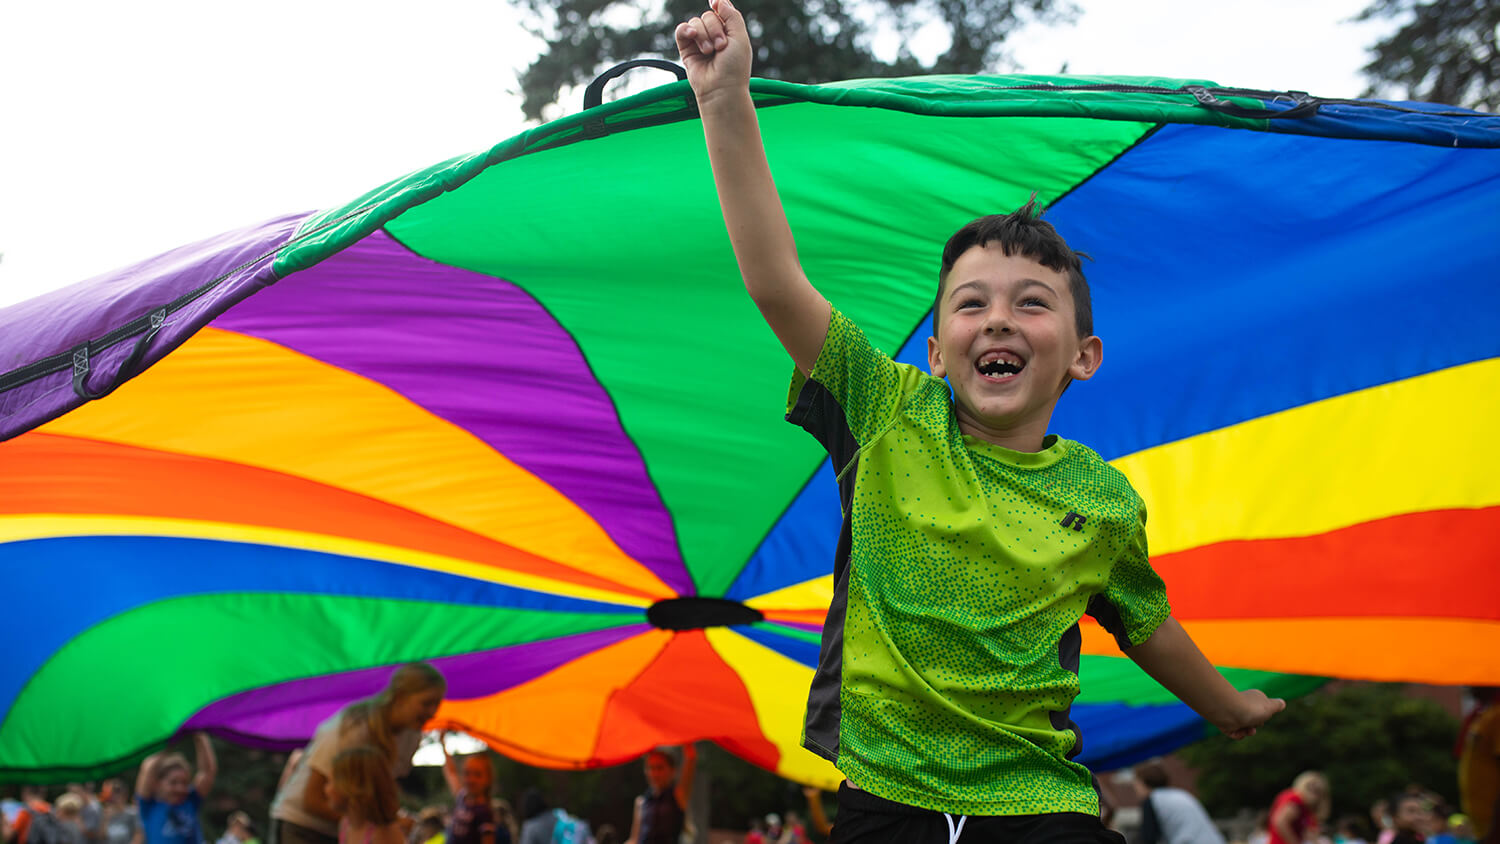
column 1069, row 657
column 1102, row 610
column 819, row 413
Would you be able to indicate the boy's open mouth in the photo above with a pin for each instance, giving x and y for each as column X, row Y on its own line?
column 998, row 366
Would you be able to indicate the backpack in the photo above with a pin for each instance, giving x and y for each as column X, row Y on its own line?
column 45, row 829
column 570, row 830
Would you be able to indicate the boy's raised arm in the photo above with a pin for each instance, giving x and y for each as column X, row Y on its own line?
column 715, row 49
column 1172, row 658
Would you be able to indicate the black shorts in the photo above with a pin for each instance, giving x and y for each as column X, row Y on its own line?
column 287, row 832
column 864, row 818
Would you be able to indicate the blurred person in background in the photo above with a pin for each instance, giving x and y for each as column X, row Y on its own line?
column 1412, row 818
column 1171, row 815
column 239, row 829
column 472, row 820
column 117, row 816
column 91, row 813
column 66, row 825
column 169, row 795
column 1297, row 811
column 661, row 812
column 390, row 721
column 1479, row 765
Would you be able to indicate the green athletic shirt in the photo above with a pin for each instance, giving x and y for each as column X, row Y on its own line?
column 950, row 657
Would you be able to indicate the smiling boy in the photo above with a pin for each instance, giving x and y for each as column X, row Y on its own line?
column 973, row 540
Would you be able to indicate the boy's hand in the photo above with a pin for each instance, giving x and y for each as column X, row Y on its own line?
column 1254, row 709
column 1170, row 656
column 715, row 49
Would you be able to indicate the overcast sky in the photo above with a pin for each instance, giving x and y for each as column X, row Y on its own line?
column 131, row 128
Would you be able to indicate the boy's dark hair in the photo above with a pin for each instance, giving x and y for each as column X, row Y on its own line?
column 1353, row 825
column 1151, row 775
column 532, row 803
column 1021, row 232
column 664, row 756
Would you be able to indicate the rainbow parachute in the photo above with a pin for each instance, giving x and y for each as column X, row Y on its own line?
column 514, row 414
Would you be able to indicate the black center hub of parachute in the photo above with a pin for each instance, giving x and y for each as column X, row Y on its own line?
column 697, row 613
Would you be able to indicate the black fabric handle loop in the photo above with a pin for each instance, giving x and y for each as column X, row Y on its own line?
column 82, row 366
column 594, row 94
column 1305, row 106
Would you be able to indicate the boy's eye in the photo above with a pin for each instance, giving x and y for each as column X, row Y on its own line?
column 970, row 303
column 1033, row 302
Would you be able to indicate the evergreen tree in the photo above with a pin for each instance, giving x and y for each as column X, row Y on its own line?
column 1445, row 53
column 1371, row 740
column 797, row 40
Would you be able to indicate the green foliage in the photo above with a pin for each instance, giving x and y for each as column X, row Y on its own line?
column 796, row 40
column 1370, row 739
column 1445, row 53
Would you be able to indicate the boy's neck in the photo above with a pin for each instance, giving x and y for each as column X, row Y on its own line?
column 1029, row 436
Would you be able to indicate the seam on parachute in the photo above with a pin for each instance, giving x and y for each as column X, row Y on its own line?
column 303, row 478
column 928, row 314
column 1145, row 136
column 19, row 775
column 614, row 410
column 173, row 306
column 609, row 700
column 792, row 501
column 132, row 610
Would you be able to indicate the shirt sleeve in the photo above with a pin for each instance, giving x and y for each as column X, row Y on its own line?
column 864, row 381
column 1134, row 601
column 1150, row 830
column 325, row 746
column 407, row 742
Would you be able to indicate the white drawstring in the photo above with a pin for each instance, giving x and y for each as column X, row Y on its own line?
column 954, row 831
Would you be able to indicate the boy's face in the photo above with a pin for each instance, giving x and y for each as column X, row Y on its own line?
column 659, row 772
column 476, row 777
column 1008, row 344
column 1411, row 815
column 174, row 787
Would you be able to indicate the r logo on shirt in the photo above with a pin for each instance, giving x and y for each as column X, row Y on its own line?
column 1074, row 521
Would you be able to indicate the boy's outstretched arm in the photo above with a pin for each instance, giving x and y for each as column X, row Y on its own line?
column 715, row 49
column 1172, row 658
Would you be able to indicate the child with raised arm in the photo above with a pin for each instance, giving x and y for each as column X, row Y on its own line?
column 973, row 540
column 472, row 820
column 169, row 795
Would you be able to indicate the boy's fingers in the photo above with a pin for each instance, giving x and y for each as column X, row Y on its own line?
column 687, row 39
column 705, row 24
column 698, row 35
column 714, row 27
column 726, row 12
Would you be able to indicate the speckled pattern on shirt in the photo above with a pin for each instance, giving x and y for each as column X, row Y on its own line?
column 970, row 565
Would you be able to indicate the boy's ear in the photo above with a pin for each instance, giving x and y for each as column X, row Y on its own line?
column 935, row 359
column 1090, row 355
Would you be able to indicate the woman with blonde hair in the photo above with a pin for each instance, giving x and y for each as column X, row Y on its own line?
column 1295, row 813
column 391, row 722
